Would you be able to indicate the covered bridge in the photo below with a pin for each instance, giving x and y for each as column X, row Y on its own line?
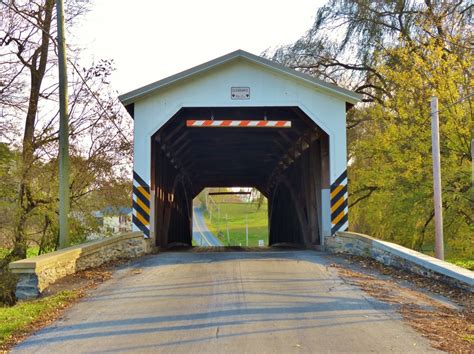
column 241, row 121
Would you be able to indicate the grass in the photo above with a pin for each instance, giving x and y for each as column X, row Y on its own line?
column 30, row 252
column 236, row 219
column 461, row 259
column 18, row 319
column 469, row 338
column 467, row 263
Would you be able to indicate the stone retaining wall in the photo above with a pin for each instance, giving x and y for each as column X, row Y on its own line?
column 401, row 257
column 35, row 274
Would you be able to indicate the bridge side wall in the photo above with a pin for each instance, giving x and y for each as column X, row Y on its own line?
column 36, row 273
column 400, row 257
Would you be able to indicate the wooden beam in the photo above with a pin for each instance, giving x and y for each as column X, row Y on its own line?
column 230, row 193
column 181, row 148
column 286, row 138
column 169, row 135
column 293, row 153
column 179, row 139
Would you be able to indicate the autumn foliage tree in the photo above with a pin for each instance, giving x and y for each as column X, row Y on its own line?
column 99, row 129
column 398, row 54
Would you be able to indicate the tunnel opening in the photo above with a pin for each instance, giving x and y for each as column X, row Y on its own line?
column 235, row 216
column 288, row 165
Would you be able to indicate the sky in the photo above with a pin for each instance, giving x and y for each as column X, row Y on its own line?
column 152, row 39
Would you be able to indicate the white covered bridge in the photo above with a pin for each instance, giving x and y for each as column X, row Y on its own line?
column 241, row 121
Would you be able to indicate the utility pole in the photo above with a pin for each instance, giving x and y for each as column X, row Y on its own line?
column 63, row 132
column 247, row 230
column 227, row 226
column 472, row 162
column 438, row 204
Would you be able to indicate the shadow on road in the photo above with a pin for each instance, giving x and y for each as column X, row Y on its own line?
column 177, row 299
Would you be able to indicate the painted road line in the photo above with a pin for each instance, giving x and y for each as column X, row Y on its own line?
column 198, row 226
column 202, row 234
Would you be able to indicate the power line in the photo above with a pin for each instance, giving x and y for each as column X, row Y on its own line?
column 455, row 103
column 54, row 41
column 100, row 102
column 97, row 99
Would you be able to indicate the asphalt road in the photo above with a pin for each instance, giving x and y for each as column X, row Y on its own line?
column 268, row 302
column 202, row 236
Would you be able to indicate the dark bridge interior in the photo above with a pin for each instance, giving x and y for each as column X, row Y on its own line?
column 288, row 165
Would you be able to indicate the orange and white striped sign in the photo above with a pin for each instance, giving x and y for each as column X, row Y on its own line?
column 239, row 123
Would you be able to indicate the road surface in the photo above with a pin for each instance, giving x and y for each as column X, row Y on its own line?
column 202, row 236
column 228, row 302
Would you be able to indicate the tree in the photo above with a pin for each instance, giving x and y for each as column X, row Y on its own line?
column 34, row 58
column 8, row 163
column 394, row 156
column 397, row 54
column 100, row 149
column 342, row 45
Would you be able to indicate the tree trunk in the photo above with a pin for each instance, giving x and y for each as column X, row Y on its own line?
column 37, row 68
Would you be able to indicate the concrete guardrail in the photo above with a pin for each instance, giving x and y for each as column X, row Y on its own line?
column 401, row 257
column 36, row 273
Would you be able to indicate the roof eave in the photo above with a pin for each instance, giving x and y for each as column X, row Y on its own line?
column 348, row 95
column 134, row 95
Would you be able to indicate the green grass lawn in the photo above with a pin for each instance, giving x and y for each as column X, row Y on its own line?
column 18, row 318
column 236, row 214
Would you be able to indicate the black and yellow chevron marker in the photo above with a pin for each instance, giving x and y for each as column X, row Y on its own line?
column 141, row 204
column 339, row 208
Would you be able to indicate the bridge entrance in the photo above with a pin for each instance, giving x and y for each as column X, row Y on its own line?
column 241, row 120
column 286, row 164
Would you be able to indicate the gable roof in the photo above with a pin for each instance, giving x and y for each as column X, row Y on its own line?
column 135, row 95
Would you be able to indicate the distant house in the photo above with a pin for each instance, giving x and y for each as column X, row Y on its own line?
column 112, row 221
